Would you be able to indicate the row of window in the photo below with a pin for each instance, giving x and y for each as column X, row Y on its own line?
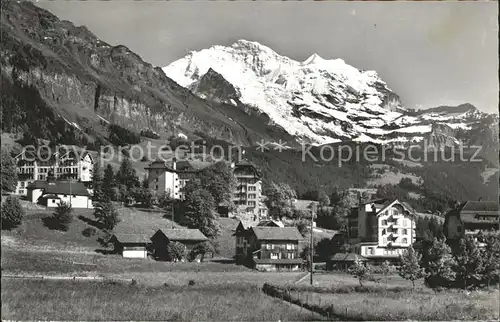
column 287, row 246
column 405, row 222
column 404, row 240
column 282, row 255
column 395, row 231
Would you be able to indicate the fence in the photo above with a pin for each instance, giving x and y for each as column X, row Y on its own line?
column 325, row 310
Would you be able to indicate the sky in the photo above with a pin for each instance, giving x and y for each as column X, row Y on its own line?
column 429, row 53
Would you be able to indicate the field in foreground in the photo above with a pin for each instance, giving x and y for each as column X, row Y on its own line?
column 393, row 303
column 63, row 300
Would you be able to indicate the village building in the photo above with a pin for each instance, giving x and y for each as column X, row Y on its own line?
column 67, row 163
column 52, row 193
column 188, row 237
column 171, row 178
column 131, row 245
column 343, row 261
column 470, row 218
column 248, row 196
column 382, row 229
column 268, row 248
column 164, row 178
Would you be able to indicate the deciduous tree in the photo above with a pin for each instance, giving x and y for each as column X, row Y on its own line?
column 360, row 271
column 176, row 251
column 279, row 199
column 410, row 266
column 200, row 212
column 218, row 179
column 202, row 249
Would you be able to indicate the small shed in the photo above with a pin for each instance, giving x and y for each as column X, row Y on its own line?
column 187, row 237
column 131, row 245
column 342, row 261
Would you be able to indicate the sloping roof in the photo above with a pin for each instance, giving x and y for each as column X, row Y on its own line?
column 376, row 201
column 60, row 187
column 271, row 223
column 244, row 164
column 248, row 223
column 65, row 187
column 38, row 184
column 478, row 212
column 51, row 196
column 349, row 257
column 480, row 206
column 132, row 238
column 183, row 166
column 183, row 234
column 284, row 261
column 389, row 203
column 277, row 233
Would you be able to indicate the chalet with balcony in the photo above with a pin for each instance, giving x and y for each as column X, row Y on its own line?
column 248, row 196
column 385, row 229
column 469, row 218
column 268, row 248
column 67, row 162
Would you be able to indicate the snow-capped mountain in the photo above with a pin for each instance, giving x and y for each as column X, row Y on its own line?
column 317, row 101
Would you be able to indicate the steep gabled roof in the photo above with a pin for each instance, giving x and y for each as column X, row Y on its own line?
column 132, row 238
column 390, row 203
column 277, row 233
column 270, row 223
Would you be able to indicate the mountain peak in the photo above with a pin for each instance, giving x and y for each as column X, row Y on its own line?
column 313, row 59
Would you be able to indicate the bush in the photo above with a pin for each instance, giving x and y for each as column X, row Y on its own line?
column 89, row 232
column 191, row 282
column 63, row 216
column 12, row 213
column 150, row 134
column 176, row 251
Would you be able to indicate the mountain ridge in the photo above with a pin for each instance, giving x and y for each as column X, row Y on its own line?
column 318, row 101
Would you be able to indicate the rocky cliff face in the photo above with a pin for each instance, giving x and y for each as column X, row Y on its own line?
column 79, row 79
column 63, row 83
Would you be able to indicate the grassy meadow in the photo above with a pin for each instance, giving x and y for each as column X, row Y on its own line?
column 62, row 300
column 213, row 290
column 395, row 303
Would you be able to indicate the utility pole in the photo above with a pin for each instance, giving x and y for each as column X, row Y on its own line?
column 70, row 192
column 311, row 248
column 173, row 198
